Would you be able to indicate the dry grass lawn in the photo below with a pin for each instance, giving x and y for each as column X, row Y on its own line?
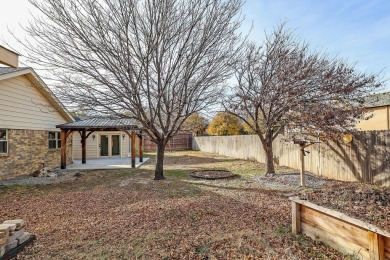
column 124, row 214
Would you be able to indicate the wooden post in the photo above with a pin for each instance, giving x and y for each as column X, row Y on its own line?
column 132, row 150
column 141, row 151
column 302, row 148
column 377, row 246
column 63, row 149
column 83, row 146
column 296, row 217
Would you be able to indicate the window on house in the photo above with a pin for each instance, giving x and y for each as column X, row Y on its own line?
column 54, row 140
column 3, row 141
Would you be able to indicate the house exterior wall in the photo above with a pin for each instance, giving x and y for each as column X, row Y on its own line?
column 92, row 145
column 23, row 106
column 28, row 151
column 380, row 119
column 28, row 116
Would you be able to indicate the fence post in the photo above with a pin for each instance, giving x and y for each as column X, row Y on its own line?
column 296, row 217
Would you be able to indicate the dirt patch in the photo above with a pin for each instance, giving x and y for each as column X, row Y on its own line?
column 213, row 174
column 362, row 201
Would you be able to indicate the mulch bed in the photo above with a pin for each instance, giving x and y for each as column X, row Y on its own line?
column 213, row 174
column 362, row 201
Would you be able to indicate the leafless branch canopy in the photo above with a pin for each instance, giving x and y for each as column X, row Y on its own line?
column 284, row 83
column 157, row 61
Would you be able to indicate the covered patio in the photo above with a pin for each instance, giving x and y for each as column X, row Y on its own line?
column 106, row 163
column 86, row 127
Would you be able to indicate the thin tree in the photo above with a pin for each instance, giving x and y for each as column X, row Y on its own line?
column 155, row 61
column 283, row 84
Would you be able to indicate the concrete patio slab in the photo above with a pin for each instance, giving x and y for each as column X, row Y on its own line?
column 105, row 163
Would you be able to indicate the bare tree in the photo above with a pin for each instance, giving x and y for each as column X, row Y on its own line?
column 283, row 84
column 156, row 61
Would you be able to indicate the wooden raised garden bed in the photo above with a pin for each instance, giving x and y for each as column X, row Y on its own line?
column 345, row 234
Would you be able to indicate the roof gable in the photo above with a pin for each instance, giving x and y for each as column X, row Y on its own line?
column 7, row 73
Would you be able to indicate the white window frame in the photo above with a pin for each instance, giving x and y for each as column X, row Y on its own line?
column 5, row 141
column 57, row 139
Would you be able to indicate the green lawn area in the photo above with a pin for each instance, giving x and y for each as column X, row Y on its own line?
column 124, row 214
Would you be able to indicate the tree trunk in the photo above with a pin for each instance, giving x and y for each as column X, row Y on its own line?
column 159, row 171
column 269, row 157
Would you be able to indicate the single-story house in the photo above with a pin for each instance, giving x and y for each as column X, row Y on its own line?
column 29, row 113
column 378, row 106
column 37, row 131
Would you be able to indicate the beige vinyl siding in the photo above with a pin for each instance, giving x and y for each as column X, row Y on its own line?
column 92, row 146
column 379, row 120
column 22, row 106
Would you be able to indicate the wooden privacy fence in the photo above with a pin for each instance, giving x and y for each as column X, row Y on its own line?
column 180, row 142
column 365, row 159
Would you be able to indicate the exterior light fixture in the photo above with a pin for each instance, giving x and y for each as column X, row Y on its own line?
column 93, row 137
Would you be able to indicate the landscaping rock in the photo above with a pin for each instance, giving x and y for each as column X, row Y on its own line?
column 23, row 238
column 18, row 222
column 9, row 227
column 11, row 245
column 15, row 235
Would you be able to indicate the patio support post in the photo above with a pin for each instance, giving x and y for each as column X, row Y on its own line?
column 63, row 149
column 133, row 149
column 141, row 151
column 83, row 146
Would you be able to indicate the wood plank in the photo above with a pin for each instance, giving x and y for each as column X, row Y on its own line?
column 335, row 226
column 296, row 217
column 334, row 241
column 386, row 242
column 342, row 216
column 376, row 250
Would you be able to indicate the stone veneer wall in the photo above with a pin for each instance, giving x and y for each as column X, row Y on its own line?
column 28, row 151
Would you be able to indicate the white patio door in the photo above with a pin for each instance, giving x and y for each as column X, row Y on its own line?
column 109, row 145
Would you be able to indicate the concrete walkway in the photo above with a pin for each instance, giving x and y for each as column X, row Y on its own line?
column 105, row 163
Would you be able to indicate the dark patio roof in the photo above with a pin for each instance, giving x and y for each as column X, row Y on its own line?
column 100, row 124
column 7, row 70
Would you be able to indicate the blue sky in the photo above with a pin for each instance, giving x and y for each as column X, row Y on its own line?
column 355, row 29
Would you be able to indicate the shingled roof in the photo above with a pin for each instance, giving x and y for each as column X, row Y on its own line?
column 378, row 100
column 101, row 124
column 7, row 70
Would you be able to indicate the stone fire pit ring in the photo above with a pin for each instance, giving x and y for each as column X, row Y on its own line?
column 213, row 174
